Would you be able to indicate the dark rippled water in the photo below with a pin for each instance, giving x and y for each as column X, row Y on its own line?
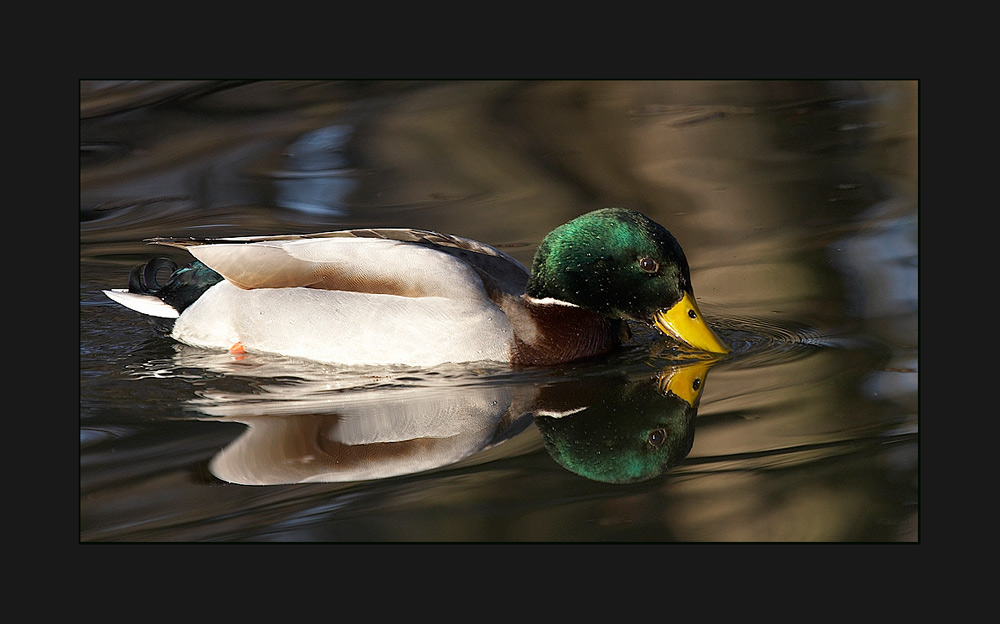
column 795, row 202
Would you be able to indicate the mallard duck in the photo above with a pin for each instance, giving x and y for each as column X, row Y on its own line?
column 414, row 297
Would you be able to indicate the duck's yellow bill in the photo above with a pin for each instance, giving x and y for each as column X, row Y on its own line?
column 685, row 323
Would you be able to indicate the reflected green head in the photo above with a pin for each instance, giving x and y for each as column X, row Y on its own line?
column 630, row 435
column 612, row 261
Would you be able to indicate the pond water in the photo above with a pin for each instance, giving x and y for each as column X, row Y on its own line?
column 795, row 202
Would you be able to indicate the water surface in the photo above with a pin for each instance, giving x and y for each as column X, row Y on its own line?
column 795, row 202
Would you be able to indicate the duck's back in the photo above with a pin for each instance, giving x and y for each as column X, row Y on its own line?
column 356, row 297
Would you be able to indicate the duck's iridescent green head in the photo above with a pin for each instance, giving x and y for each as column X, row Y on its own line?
column 621, row 264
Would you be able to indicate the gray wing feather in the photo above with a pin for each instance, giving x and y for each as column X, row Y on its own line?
column 498, row 270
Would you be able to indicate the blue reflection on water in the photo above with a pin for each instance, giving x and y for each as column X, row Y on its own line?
column 316, row 176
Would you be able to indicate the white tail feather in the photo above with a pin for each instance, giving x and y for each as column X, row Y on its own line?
column 144, row 304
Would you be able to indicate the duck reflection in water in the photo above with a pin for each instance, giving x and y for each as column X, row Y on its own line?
column 615, row 428
column 632, row 431
column 362, row 436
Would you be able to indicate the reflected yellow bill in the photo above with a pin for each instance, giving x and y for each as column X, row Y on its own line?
column 686, row 382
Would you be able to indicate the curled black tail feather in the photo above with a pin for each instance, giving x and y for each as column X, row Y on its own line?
column 181, row 288
column 142, row 279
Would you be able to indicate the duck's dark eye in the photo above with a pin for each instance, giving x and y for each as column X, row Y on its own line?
column 657, row 437
column 691, row 314
column 649, row 265
column 696, row 384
